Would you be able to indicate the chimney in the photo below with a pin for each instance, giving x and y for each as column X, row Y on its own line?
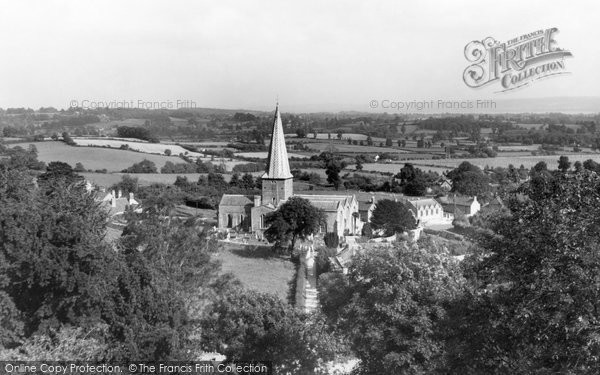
column 257, row 201
column 113, row 201
column 120, row 194
column 130, row 197
column 113, row 194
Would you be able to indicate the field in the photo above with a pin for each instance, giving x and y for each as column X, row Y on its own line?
column 357, row 136
column 145, row 179
column 340, row 147
column 447, row 164
column 264, row 154
column 94, row 157
column 146, row 147
column 258, row 268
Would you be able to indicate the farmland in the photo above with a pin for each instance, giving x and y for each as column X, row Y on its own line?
column 145, row 179
column 447, row 164
column 113, row 160
column 264, row 154
column 146, row 147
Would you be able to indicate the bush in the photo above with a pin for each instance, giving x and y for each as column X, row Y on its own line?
column 145, row 166
column 367, row 230
column 322, row 259
column 332, row 240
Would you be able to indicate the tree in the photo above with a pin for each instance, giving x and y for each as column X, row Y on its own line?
column 340, row 134
column 417, row 186
column 564, row 164
column 57, row 170
column 332, row 170
column 392, row 217
column 168, row 152
column 144, row 166
column 67, row 139
column 407, row 173
column 331, row 239
column 235, row 180
column 79, row 167
column 128, row 184
column 369, row 141
column 301, row 132
column 359, row 165
column 295, row 219
column 245, row 325
column 468, row 179
column 392, row 307
column 534, row 300
column 388, row 142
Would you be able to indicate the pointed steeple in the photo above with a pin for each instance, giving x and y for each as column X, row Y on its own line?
column 278, row 166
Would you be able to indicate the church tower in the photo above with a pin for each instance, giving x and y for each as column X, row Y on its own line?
column 277, row 181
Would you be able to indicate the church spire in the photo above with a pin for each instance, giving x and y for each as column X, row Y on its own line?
column 278, row 166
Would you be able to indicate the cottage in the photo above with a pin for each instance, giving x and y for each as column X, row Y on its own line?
column 454, row 206
column 427, row 210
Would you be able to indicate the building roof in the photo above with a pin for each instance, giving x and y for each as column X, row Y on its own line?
column 423, row 202
column 458, row 201
column 235, row 200
column 327, row 202
column 365, row 206
column 278, row 166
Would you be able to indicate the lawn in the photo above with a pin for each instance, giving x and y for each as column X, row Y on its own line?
column 258, row 268
column 113, row 160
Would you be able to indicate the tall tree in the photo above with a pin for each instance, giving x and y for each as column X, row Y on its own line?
column 535, row 303
column 247, row 326
column 392, row 217
column 296, row 219
column 392, row 306
column 468, row 179
column 332, row 170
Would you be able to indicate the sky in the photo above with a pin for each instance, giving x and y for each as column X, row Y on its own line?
column 311, row 55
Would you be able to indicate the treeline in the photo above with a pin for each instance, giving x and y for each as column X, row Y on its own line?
column 463, row 124
column 136, row 132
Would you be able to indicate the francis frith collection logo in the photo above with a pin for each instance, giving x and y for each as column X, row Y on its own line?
column 515, row 63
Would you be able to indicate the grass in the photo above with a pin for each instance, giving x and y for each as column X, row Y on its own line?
column 258, row 268
column 136, row 145
column 94, row 157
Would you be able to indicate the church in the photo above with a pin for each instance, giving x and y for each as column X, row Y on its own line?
column 247, row 213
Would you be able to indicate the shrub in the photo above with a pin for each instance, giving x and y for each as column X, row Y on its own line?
column 332, row 240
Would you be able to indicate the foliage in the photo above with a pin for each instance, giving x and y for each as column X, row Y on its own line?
column 332, row 240
column 144, row 166
column 534, row 304
column 136, row 132
column 58, row 271
column 468, row 179
column 180, row 168
column 392, row 217
column 333, row 168
column 392, row 306
column 294, row 219
column 57, row 170
column 64, row 344
column 248, row 326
